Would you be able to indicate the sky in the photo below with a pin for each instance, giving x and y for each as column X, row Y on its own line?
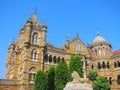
column 63, row 18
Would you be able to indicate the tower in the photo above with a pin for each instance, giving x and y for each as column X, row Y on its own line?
column 25, row 56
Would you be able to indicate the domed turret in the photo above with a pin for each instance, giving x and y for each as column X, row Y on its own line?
column 100, row 47
column 99, row 40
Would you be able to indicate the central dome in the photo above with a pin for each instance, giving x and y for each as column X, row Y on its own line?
column 99, row 40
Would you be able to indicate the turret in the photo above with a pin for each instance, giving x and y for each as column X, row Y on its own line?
column 100, row 48
column 28, row 29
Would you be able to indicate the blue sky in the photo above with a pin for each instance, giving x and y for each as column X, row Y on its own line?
column 63, row 17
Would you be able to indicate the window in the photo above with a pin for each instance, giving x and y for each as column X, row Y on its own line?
column 77, row 47
column 92, row 66
column 63, row 59
column 99, row 51
column 32, row 72
column 34, row 54
column 108, row 65
column 50, row 58
column 110, row 80
column 118, row 63
column 118, row 79
column 103, row 65
column 45, row 57
column 99, row 65
column 54, row 59
column 58, row 59
column 115, row 64
column 35, row 39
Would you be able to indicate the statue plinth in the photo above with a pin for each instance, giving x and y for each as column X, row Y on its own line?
column 78, row 83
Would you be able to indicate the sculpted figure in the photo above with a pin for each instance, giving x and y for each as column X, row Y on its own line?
column 77, row 78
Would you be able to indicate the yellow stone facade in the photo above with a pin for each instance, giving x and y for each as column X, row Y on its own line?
column 31, row 52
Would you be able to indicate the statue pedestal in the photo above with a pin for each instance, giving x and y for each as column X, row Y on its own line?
column 78, row 86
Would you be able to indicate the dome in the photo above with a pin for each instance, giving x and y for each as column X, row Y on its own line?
column 99, row 40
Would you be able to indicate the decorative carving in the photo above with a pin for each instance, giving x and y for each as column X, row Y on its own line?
column 77, row 78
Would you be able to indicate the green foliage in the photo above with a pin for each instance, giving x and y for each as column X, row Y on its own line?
column 51, row 75
column 93, row 75
column 41, row 81
column 101, row 84
column 76, row 64
column 62, row 75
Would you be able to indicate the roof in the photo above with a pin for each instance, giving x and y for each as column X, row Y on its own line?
column 100, row 40
column 116, row 52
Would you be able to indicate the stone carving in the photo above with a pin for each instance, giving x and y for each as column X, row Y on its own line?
column 78, row 83
column 78, row 79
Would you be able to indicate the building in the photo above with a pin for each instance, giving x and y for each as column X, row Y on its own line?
column 31, row 52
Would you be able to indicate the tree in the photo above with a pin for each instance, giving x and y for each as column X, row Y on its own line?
column 101, row 84
column 41, row 81
column 93, row 75
column 62, row 75
column 51, row 75
column 76, row 64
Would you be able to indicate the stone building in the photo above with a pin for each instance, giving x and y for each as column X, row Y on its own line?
column 31, row 52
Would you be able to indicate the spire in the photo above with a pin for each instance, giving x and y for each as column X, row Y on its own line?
column 98, row 34
column 77, row 36
column 34, row 19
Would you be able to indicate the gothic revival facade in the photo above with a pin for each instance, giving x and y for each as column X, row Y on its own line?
column 31, row 52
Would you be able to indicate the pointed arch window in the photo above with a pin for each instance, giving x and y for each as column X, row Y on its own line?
column 110, row 80
column 115, row 64
column 99, row 65
column 108, row 65
column 32, row 72
column 118, row 63
column 34, row 54
column 46, row 57
column 77, row 47
column 92, row 66
column 118, row 79
column 35, row 38
column 103, row 65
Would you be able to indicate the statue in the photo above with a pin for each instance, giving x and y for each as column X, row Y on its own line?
column 78, row 79
column 78, row 83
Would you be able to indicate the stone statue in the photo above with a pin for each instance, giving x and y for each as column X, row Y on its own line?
column 78, row 83
column 78, row 79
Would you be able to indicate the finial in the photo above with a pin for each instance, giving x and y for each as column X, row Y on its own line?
column 98, row 34
column 77, row 36
column 67, row 39
column 35, row 12
column 44, row 21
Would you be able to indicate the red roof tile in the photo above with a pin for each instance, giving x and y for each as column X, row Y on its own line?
column 116, row 52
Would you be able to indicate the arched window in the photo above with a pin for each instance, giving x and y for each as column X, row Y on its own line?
column 45, row 57
column 63, row 59
column 34, row 54
column 115, row 64
column 118, row 79
column 103, row 51
column 77, row 47
column 108, row 65
column 54, row 59
column 58, row 59
column 110, row 80
column 118, row 63
column 86, row 64
column 99, row 52
column 92, row 66
column 103, row 65
column 32, row 72
column 50, row 58
column 35, row 38
column 99, row 65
